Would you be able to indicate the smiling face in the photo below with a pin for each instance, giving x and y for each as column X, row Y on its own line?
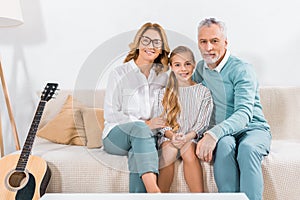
column 183, row 66
column 149, row 46
column 212, row 44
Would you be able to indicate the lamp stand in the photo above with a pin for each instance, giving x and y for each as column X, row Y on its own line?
column 1, row 141
column 10, row 113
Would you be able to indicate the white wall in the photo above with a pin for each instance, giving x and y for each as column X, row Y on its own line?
column 59, row 38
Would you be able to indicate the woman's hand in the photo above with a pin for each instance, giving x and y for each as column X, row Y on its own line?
column 157, row 122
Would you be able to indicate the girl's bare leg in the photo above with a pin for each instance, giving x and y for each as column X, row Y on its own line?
column 167, row 166
column 192, row 168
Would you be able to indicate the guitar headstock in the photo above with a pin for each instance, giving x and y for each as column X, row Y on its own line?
column 49, row 91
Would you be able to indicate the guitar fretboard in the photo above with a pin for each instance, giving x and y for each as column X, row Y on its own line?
column 30, row 137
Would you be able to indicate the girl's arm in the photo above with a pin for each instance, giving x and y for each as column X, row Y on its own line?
column 204, row 115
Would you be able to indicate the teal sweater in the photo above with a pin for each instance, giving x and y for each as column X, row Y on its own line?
column 236, row 97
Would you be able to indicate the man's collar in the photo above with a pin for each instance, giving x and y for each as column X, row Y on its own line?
column 222, row 63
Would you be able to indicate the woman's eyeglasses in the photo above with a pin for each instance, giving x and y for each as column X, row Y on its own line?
column 155, row 42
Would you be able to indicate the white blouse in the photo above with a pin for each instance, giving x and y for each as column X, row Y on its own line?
column 129, row 95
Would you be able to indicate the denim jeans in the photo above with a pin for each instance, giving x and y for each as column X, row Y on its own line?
column 237, row 162
column 136, row 140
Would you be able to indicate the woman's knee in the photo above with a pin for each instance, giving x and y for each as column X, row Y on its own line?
column 141, row 130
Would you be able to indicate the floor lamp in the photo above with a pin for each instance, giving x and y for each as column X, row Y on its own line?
column 10, row 15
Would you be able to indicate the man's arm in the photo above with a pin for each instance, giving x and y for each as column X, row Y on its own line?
column 245, row 88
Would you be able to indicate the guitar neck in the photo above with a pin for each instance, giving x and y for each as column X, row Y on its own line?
column 30, row 137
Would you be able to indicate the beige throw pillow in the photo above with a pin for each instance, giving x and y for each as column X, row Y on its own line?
column 93, row 120
column 67, row 126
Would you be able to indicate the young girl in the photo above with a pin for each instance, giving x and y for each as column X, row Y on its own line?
column 186, row 107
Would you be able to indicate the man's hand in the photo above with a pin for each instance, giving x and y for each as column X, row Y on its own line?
column 205, row 148
column 157, row 122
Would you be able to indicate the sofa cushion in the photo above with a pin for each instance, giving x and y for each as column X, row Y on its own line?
column 281, row 169
column 54, row 106
column 93, row 120
column 67, row 126
column 82, row 170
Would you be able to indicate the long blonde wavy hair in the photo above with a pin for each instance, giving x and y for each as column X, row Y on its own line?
column 161, row 62
column 170, row 102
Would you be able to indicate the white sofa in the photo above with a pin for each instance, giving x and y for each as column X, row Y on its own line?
column 81, row 169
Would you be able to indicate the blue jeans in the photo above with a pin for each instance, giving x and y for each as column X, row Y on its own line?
column 238, row 159
column 136, row 140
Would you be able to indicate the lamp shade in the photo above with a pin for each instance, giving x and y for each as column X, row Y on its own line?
column 10, row 13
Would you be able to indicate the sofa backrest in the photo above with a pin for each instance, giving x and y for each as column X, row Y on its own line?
column 87, row 98
column 281, row 107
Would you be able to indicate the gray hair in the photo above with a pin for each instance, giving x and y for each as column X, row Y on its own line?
column 209, row 21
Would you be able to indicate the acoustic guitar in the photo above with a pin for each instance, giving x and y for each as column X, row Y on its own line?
column 24, row 176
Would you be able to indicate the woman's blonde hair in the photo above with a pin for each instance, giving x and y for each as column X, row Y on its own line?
column 170, row 100
column 161, row 62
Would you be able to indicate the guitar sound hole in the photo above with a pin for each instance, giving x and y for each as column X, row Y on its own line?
column 17, row 179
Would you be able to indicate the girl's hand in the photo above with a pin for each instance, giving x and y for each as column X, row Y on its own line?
column 178, row 140
column 180, row 137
